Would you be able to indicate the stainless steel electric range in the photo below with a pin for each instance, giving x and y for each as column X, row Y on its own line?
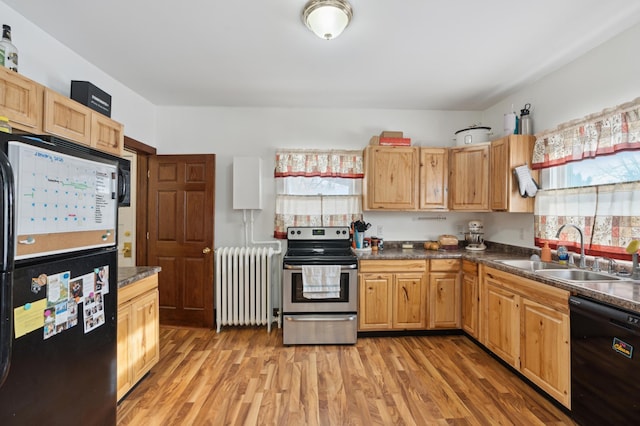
column 320, row 287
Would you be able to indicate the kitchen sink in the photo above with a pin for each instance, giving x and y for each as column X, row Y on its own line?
column 532, row 265
column 578, row 275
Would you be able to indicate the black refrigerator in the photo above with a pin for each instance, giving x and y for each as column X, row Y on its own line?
column 59, row 284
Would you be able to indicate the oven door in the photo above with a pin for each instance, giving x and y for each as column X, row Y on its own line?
column 293, row 300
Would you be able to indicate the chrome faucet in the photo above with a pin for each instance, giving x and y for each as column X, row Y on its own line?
column 583, row 263
column 635, row 272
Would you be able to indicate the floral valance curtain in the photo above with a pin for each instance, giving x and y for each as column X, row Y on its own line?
column 326, row 163
column 609, row 131
column 320, row 210
column 607, row 215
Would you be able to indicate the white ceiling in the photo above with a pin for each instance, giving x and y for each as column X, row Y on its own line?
column 405, row 54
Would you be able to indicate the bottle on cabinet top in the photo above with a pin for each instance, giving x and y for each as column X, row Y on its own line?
column 8, row 51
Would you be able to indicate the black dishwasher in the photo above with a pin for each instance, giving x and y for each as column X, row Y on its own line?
column 605, row 364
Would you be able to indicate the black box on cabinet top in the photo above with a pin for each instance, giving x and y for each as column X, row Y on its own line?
column 91, row 96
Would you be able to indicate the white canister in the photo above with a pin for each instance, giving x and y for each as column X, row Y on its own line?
column 510, row 123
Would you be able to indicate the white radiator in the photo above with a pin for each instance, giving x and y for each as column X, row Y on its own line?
column 243, row 286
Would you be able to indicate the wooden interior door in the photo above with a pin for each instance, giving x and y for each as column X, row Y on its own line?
column 181, row 225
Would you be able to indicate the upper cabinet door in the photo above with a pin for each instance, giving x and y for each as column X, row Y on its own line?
column 106, row 135
column 470, row 178
column 434, row 178
column 507, row 154
column 392, row 178
column 20, row 101
column 66, row 118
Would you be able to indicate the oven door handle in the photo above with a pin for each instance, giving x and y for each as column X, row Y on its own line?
column 299, row 267
column 319, row 318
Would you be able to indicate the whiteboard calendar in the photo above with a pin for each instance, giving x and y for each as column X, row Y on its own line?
column 59, row 193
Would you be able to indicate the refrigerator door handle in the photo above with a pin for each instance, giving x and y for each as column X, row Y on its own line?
column 6, row 265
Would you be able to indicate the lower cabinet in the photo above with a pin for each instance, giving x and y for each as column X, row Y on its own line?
column 527, row 325
column 470, row 296
column 392, row 295
column 501, row 318
column 138, row 332
column 545, row 355
column 444, row 293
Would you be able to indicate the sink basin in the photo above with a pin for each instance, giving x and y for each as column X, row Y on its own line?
column 578, row 275
column 531, row 265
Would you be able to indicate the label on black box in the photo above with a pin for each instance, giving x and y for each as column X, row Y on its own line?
column 622, row 347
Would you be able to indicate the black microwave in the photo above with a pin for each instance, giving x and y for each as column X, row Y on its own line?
column 124, row 166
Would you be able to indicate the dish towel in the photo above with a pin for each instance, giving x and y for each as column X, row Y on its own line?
column 526, row 183
column 321, row 281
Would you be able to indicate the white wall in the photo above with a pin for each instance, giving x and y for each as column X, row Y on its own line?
column 604, row 77
column 230, row 132
column 47, row 61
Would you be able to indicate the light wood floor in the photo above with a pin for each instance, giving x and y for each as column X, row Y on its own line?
column 246, row 376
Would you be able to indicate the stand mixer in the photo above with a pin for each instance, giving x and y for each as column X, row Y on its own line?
column 475, row 236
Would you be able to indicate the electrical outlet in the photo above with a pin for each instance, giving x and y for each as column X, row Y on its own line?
column 380, row 230
column 521, row 234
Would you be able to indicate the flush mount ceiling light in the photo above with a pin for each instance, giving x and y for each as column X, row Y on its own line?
column 327, row 18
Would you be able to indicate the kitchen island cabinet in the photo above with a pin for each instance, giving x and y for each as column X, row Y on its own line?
column 392, row 295
column 137, row 331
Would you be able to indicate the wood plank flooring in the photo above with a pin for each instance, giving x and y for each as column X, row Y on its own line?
column 246, row 376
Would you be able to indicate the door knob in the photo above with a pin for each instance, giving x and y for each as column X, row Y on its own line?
column 206, row 250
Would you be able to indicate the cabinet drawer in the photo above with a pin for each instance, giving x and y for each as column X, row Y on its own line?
column 417, row 265
column 444, row 265
column 469, row 267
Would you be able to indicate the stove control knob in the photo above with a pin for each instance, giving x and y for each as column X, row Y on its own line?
column 299, row 232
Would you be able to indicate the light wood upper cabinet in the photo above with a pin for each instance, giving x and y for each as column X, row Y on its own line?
column 469, row 306
column 36, row 109
column 106, row 135
column 469, row 178
column 21, row 101
column 391, row 178
column 506, row 154
column 66, row 118
column 434, row 178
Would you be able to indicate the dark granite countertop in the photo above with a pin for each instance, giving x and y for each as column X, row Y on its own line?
column 130, row 274
column 623, row 294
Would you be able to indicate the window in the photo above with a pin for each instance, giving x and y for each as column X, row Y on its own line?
column 590, row 175
column 622, row 167
column 317, row 188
